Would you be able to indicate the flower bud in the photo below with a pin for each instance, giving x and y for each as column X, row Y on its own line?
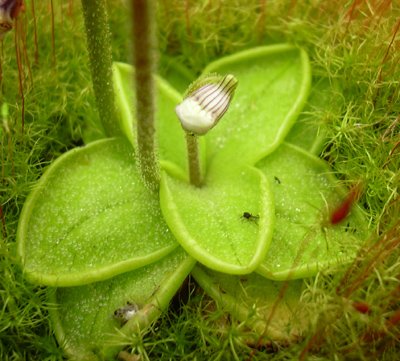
column 206, row 102
column 9, row 10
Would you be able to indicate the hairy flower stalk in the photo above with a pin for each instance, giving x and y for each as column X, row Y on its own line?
column 206, row 101
column 144, row 62
column 99, row 48
column 193, row 159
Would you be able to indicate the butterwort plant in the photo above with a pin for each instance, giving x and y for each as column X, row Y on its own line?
column 114, row 227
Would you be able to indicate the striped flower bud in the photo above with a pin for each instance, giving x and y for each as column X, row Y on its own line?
column 206, row 102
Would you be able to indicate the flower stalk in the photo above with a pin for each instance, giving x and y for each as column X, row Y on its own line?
column 143, row 31
column 100, row 56
column 204, row 104
column 193, row 159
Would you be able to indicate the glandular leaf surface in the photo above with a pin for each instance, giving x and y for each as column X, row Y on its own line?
column 226, row 224
column 273, row 86
column 271, row 309
column 93, row 322
column 304, row 239
column 170, row 136
column 90, row 217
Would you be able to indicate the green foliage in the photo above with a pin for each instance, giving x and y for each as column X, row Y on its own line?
column 263, row 111
column 208, row 222
column 170, row 136
column 85, row 319
column 351, row 44
column 90, row 218
column 304, row 239
column 269, row 308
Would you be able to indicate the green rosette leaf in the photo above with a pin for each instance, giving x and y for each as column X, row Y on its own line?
column 170, row 135
column 90, row 217
column 93, row 322
column 274, row 83
column 270, row 308
column 226, row 224
column 304, row 240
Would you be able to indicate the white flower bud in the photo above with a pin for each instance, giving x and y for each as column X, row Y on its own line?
column 203, row 107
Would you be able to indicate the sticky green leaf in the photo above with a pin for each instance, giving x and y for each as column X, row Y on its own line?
column 170, row 136
column 305, row 194
column 91, row 322
column 90, row 218
column 271, row 309
column 209, row 221
column 274, row 82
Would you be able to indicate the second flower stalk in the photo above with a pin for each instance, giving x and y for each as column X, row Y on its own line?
column 204, row 104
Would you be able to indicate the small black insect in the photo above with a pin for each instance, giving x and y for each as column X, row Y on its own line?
column 277, row 180
column 250, row 217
